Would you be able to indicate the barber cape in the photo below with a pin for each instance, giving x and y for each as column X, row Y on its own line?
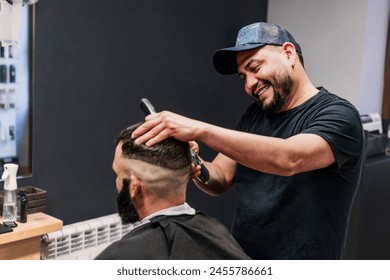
column 177, row 233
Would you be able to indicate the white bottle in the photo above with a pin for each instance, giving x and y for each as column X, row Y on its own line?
column 10, row 197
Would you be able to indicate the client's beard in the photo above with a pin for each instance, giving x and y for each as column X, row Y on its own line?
column 125, row 204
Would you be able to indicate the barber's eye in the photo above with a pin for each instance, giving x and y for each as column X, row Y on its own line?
column 255, row 68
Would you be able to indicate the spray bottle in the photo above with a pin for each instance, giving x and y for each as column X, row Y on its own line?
column 10, row 196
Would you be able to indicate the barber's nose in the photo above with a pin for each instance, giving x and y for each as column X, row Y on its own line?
column 251, row 82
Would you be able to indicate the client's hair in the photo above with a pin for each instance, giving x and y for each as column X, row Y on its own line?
column 170, row 153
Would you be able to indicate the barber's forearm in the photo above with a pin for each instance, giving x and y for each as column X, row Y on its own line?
column 284, row 157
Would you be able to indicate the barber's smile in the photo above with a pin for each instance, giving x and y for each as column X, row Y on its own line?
column 260, row 90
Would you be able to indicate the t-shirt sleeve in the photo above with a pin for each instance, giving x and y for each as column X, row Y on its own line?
column 341, row 127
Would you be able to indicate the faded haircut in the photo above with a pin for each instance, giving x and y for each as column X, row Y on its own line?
column 170, row 153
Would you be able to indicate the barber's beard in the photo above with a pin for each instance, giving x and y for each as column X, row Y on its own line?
column 282, row 86
column 125, row 204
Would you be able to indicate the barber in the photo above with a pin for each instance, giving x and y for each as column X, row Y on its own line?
column 294, row 157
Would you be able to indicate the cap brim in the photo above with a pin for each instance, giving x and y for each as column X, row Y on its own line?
column 224, row 60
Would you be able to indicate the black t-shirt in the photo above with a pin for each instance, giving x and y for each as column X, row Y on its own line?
column 304, row 216
column 183, row 237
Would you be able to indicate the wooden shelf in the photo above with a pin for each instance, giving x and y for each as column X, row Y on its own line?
column 24, row 241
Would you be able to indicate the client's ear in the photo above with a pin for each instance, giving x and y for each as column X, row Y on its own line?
column 135, row 186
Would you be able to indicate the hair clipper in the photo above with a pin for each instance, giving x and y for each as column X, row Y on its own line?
column 204, row 172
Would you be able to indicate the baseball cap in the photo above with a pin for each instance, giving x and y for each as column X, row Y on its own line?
column 250, row 37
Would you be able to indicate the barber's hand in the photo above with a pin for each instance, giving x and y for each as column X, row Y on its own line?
column 160, row 126
column 195, row 168
column 194, row 146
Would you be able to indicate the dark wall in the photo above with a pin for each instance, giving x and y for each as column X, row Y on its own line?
column 94, row 61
